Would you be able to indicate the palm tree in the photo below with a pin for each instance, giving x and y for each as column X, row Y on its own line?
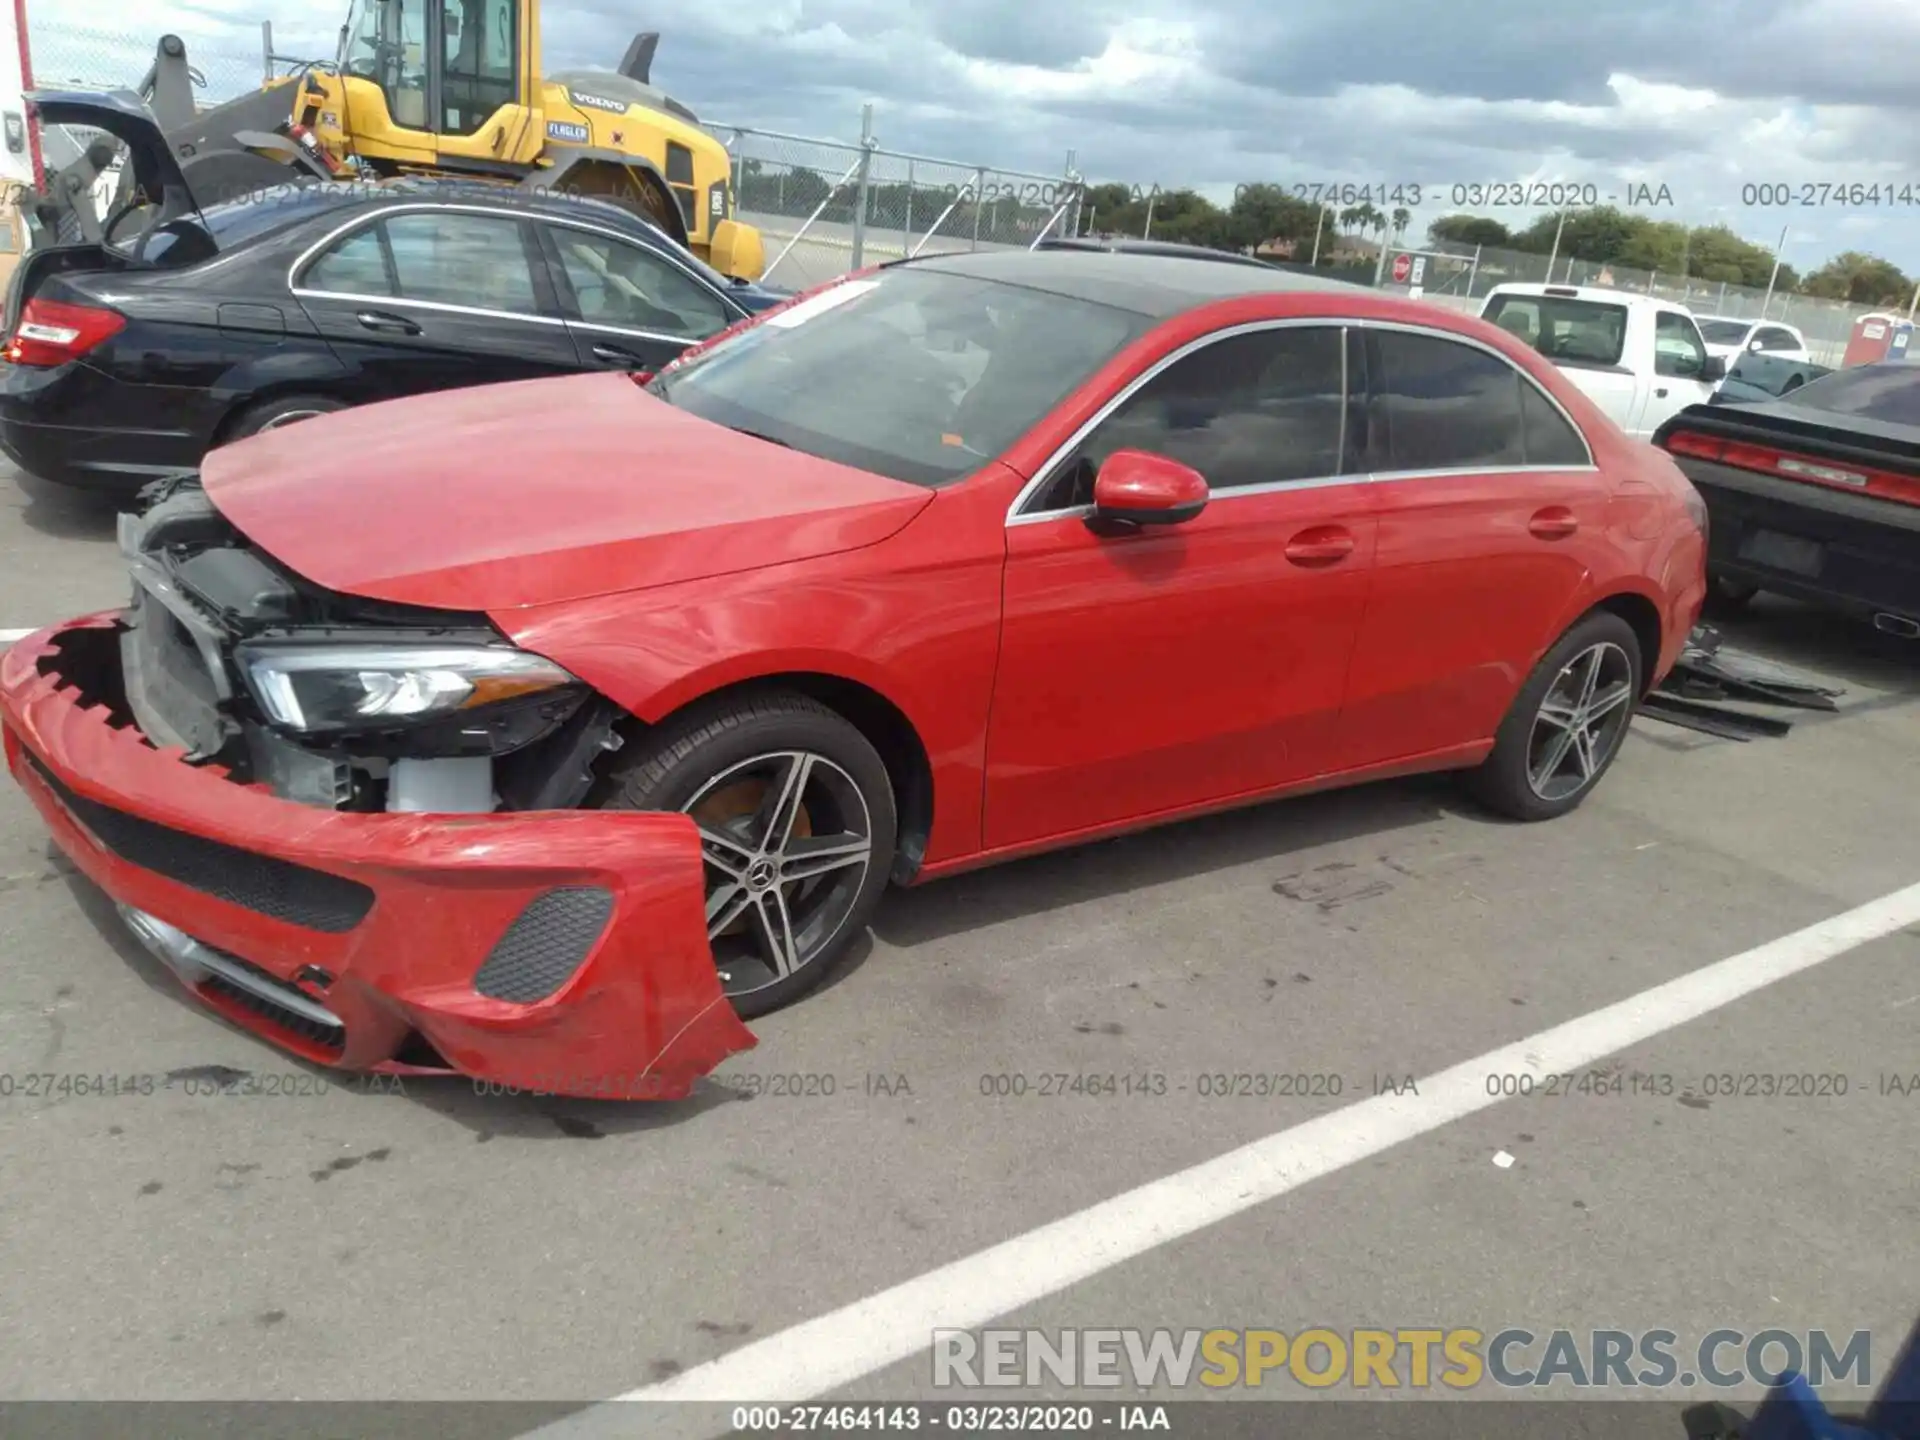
column 1354, row 216
column 1402, row 218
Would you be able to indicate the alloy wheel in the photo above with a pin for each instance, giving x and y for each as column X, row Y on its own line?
column 786, row 838
column 1581, row 720
column 288, row 418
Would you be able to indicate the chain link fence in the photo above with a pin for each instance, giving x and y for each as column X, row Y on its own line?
column 65, row 56
column 828, row 206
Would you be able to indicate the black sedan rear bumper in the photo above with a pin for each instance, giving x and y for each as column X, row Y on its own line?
column 1848, row 552
column 58, row 425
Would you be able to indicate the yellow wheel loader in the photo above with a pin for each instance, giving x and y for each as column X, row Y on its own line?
column 454, row 88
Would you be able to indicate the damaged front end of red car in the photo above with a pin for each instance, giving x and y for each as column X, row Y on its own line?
column 351, row 826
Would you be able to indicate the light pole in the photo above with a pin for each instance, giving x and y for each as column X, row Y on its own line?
column 1767, row 303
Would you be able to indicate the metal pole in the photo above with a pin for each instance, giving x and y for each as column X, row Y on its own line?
column 1721, row 303
column 1915, row 304
column 1318, row 225
column 931, row 229
column 1473, row 272
column 1146, row 232
column 832, row 190
column 1652, row 275
column 266, row 51
column 979, row 192
column 1058, row 215
column 865, row 167
column 906, row 229
column 1555, row 255
column 1767, row 303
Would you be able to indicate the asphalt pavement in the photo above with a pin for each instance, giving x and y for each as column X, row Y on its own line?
column 257, row 1228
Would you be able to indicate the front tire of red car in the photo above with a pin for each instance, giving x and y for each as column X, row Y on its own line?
column 1567, row 724
column 797, row 825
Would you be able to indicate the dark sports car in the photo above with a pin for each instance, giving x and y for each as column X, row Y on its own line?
column 196, row 326
column 1814, row 495
column 1756, row 378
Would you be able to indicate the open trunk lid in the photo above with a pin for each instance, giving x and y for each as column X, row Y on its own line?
column 125, row 117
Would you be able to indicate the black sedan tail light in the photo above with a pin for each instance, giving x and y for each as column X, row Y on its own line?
column 52, row 332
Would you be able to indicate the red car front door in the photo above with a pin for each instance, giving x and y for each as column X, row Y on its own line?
column 1488, row 505
column 1178, row 665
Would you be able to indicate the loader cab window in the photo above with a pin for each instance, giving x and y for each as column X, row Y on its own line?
column 480, row 72
column 387, row 44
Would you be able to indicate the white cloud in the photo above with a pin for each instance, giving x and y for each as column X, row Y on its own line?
column 1706, row 98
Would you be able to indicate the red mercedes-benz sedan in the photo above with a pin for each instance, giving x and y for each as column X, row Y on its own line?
column 542, row 732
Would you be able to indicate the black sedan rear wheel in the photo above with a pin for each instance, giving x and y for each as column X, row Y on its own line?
column 287, row 410
column 797, row 825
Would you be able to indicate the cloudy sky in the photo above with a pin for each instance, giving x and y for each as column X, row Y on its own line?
column 1701, row 96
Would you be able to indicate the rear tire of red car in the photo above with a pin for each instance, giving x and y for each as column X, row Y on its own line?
column 1567, row 724
column 287, row 410
column 797, row 823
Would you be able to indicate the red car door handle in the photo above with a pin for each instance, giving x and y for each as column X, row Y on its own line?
column 1556, row 522
column 1321, row 545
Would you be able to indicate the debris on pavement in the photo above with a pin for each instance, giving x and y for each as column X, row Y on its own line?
column 1711, row 677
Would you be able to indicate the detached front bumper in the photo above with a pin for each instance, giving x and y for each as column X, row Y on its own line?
column 556, row 951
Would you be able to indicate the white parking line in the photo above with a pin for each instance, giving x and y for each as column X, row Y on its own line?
column 819, row 1356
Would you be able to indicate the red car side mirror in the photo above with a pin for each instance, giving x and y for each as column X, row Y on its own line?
column 1135, row 488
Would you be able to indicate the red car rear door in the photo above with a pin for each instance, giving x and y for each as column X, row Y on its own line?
column 1489, row 506
column 1176, row 665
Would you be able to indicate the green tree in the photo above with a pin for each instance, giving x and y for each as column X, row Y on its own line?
column 1860, row 279
column 1660, row 245
column 1597, row 235
column 1267, row 212
column 1470, row 230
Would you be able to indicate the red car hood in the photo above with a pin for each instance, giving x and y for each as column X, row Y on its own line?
column 535, row 493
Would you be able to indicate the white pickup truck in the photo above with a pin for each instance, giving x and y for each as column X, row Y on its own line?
column 1637, row 358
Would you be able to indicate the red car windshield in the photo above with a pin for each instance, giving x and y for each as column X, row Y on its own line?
column 909, row 373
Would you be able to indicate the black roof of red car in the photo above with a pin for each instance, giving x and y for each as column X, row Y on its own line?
column 1156, row 285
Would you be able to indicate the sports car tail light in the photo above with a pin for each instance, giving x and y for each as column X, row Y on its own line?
column 1768, row 460
column 52, row 332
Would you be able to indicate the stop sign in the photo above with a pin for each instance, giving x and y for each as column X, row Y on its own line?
column 1402, row 268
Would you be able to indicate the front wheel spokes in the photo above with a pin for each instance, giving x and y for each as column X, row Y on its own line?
column 728, row 855
column 809, row 855
column 775, row 819
column 774, row 925
column 725, row 905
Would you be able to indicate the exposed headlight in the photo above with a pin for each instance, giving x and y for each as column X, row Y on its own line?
column 317, row 688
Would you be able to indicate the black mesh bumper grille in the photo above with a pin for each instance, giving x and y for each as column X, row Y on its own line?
column 276, row 888
column 545, row 945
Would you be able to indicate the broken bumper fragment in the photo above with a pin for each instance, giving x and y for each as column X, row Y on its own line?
column 555, row 951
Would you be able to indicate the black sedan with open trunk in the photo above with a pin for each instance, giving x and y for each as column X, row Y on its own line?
column 196, row 325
